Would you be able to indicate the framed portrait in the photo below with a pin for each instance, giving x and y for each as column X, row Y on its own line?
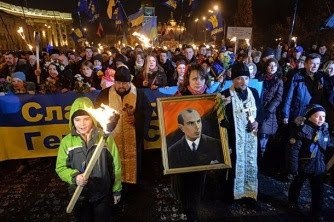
column 192, row 139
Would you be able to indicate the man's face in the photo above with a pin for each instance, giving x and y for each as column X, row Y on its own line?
column 322, row 50
column 89, row 53
column 300, row 64
column 122, row 87
column 10, row 60
column 192, row 125
column 189, row 53
column 202, row 51
column 54, row 57
column 63, row 60
column 312, row 65
column 256, row 59
column 241, row 82
column 297, row 55
column 83, row 124
column 163, row 57
column 318, row 118
column 32, row 61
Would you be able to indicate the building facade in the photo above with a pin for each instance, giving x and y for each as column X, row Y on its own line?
column 54, row 28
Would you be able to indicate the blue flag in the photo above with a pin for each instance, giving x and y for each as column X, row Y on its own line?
column 215, row 23
column 93, row 10
column 119, row 16
column 192, row 5
column 82, row 6
column 172, row 4
column 329, row 23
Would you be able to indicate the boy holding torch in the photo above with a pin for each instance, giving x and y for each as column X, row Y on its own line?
column 76, row 152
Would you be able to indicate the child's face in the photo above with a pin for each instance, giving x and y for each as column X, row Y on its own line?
column 318, row 118
column 97, row 63
column 83, row 124
column 17, row 83
column 87, row 71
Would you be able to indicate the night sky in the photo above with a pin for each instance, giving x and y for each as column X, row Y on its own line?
column 263, row 9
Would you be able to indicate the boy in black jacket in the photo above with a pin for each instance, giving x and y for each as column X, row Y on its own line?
column 307, row 148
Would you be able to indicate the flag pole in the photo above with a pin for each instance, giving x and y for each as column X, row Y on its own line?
column 293, row 22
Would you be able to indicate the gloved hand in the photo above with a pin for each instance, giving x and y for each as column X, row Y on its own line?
column 224, row 123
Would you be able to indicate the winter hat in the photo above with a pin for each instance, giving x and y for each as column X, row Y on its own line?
column 298, row 49
column 98, row 57
column 313, row 108
column 239, row 69
column 268, row 52
column 79, row 112
column 122, row 74
column 54, row 51
column 19, row 75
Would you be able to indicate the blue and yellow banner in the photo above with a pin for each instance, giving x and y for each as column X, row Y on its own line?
column 33, row 125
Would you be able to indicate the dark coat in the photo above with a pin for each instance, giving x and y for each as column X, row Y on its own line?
column 5, row 71
column 157, row 78
column 181, row 155
column 169, row 70
column 301, row 92
column 272, row 97
column 300, row 159
column 229, row 114
column 329, row 97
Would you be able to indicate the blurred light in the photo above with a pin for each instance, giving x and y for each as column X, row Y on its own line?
column 30, row 46
column 216, row 7
column 204, row 18
column 233, row 39
column 210, row 11
column 72, row 29
column 196, row 20
column 85, row 29
column 43, row 34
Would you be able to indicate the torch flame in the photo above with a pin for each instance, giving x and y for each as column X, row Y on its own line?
column 106, row 116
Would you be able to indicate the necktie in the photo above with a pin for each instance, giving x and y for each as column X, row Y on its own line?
column 194, row 146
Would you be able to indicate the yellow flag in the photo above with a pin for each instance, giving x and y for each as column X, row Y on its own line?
column 109, row 9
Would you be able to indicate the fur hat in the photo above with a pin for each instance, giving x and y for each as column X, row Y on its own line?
column 313, row 108
column 19, row 75
column 122, row 74
column 239, row 69
column 256, row 54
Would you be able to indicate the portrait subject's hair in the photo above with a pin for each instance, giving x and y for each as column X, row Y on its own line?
column 180, row 119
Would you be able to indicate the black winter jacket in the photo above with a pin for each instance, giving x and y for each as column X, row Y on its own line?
column 301, row 159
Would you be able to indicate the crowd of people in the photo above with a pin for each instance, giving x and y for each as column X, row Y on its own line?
column 297, row 93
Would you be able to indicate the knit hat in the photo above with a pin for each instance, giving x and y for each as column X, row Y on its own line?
column 19, row 75
column 79, row 112
column 98, row 57
column 239, row 69
column 313, row 108
column 122, row 74
column 54, row 51
column 268, row 52
column 298, row 49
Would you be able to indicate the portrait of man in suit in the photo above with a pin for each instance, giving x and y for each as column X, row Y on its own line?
column 194, row 148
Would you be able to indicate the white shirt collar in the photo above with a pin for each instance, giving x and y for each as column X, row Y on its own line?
column 191, row 142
